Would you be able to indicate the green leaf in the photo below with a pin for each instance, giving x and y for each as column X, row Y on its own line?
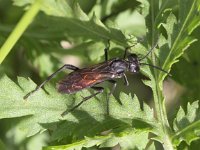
column 178, row 35
column 52, row 7
column 187, row 72
column 72, row 25
column 121, row 116
column 126, row 121
column 187, row 125
column 94, row 30
column 128, row 139
column 76, row 23
column 179, row 32
column 40, row 111
column 134, row 26
column 37, row 111
column 66, row 21
column 172, row 45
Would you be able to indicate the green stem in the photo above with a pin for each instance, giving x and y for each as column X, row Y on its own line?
column 157, row 93
column 19, row 29
column 162, row 117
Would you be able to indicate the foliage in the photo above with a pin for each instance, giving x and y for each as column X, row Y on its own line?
column 187, row 125
column 131, row 124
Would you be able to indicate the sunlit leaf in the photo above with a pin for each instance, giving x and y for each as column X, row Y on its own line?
column 187, row 124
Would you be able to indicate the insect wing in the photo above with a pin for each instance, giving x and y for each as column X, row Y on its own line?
column 84, row 78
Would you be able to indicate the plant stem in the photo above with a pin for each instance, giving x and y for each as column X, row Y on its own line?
column 19, row 29
column 157, row 93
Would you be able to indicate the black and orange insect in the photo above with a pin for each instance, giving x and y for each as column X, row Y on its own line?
column 89, row 77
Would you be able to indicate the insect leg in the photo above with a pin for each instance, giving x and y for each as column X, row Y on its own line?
column 106, row 51
column 66, row 66
column 126, row 80
column 98, row 89
column 111, row 92
column 125, row 53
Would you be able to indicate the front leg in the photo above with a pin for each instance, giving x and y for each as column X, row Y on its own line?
column 106, row 51
column 126, row 80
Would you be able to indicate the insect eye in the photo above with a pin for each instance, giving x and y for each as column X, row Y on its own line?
column 134, row 68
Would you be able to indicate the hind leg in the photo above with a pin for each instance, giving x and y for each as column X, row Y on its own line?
column 66, row 66
column 98, row 89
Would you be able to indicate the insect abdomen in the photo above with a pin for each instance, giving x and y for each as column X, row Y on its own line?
column 68, row 89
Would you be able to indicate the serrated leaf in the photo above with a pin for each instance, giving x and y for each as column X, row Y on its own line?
column 77, row 23
column 121, row 117
column 53, row 7
column 41, row 110
column 37, row 111
column 128, row 139
column 187, row 71
column 173, row 43
column 187, row 125
column 93, row 30
column 179, row 38
column 178, row 34
column 66, row 21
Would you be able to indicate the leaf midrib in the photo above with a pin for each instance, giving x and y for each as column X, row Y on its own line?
column 187, row 129
column 179, row 34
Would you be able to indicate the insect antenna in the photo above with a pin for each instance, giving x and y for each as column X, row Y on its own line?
column 149, row 51
column 156, row 68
